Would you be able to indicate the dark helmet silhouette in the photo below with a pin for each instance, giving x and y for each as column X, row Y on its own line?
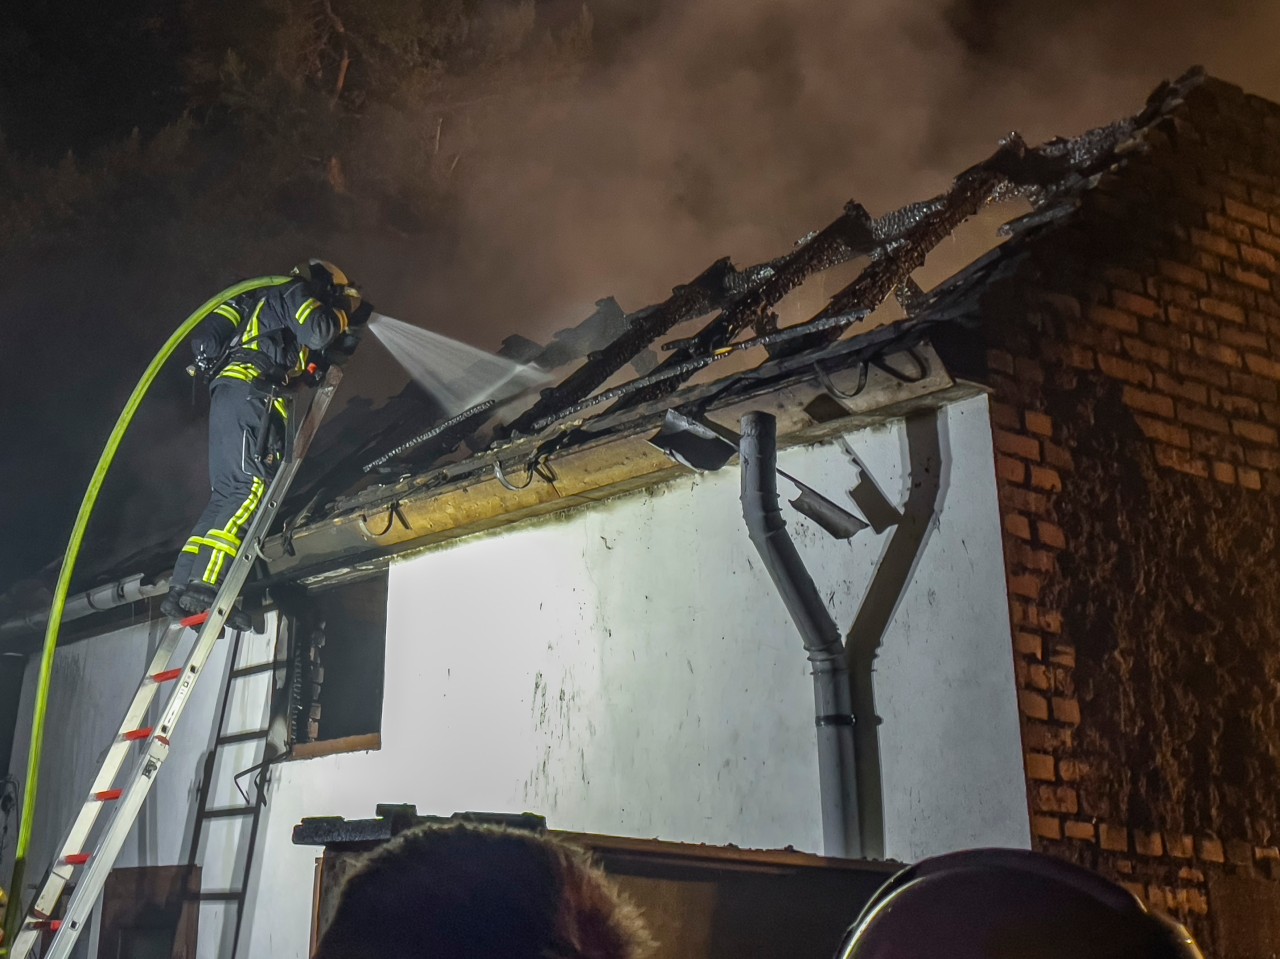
column 1009, row 904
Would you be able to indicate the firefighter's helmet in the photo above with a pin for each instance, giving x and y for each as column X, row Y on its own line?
column 330, row 282
column 1009, row 904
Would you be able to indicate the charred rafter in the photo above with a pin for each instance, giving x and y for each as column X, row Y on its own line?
column 846, row 237
column 705, row 293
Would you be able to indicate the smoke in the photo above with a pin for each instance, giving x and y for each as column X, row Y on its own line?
column 733, row 127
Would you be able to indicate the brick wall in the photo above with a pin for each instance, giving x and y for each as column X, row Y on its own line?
column 1134, row 359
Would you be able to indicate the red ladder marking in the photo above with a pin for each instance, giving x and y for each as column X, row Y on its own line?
column 135, row 734
column 193, row 621
column 51, row 924
column 107, row 795
column 77, row 859
column 168, row 676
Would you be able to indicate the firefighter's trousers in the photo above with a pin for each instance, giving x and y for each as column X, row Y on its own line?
column 241, row 464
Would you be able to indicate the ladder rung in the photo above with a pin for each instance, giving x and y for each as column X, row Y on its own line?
column 168, row 676
column 253, row 670
column 134, row 735
column 242, row 737
column 76, row 858
column 218, row 895
column 226, row 812
column 108, row 795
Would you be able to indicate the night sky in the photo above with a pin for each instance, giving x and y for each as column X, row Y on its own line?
column 465, row 197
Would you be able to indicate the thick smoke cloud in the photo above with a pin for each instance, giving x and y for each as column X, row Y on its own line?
column 735, row 127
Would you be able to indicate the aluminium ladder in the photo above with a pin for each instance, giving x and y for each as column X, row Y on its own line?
column 95, row 859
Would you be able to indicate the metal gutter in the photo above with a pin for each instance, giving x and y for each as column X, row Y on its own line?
column 130, row 589
column 468, row 497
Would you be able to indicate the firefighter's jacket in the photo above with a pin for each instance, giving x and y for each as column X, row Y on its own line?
column 269, row 334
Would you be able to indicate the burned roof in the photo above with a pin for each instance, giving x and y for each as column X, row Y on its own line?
column 740, row 308
column 619, row 372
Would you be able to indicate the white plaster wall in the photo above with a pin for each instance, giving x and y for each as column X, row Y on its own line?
column 629, row 669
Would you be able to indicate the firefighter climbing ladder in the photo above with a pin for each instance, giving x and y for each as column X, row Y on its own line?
column 95, row 856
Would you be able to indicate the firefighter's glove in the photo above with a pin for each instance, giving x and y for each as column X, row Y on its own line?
column 340, row 350
column 360, row 315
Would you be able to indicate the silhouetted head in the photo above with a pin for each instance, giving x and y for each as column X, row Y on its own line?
column 1009, row 904
column 463, row 891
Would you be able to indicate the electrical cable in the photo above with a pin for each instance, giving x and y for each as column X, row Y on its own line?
column 17, row 909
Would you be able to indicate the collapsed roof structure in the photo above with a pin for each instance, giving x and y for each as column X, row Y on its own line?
column 621, row 374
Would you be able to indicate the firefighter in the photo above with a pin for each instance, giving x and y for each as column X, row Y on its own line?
column 252, row 348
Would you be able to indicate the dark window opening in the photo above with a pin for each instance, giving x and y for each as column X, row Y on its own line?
column 338, row 640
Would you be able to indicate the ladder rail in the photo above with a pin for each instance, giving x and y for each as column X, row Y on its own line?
column 129, row 803
column 114, row 760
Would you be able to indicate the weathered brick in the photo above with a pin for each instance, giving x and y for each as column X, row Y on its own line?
column 1193, row 415
column 1005, row 415
column 1080, row 830
column 1232, row 229
column 1249, row 478
column 1040, row 767
column 1148, row 843
column 1028, row 644
column 1050, row 620
column 1133, row 303
column 1262, row 365
column 1146, row 402
column 1063, row 653
column 1246, row 213
column 1036, row 559
column 1033, row 705
column 1186, row 275
column 1164, row 432
column 1242, row 338
column 1217, row 445
column 1171, row 337
column 1024, row 500
column 1206, row 371
column 1038, row 423
column 1255, row 432
column 1026, row 584
column 1251, row 384
column 1042, row 477
column 1176, row 386
column 1234, row 405
column 1116, row 319
column 1017, row 526
column 1066, row 711
column 1144, row 352
column 1210, row 849
column 1016, row 444
column 1269, row 240
column 1182, row 461
column 1263, row 459
column 1059, row 457
column 1261, row 259
column 1133, row 888
column 1232, row 312
column 1239, row 852
column 1191, row 320
column 1181, row 847
column 1223, row 472
column 1266, row 852
column 1011, row 470
column 1046, row 827
column 1113, row 838
column 1248, row 277
column 1219, row 246
column 1059, row 799
column 1125, row 370
column 1051, row 535
column 1215, row 351
column 1072, row 770
column 1028, row 370
column 1044, row 737
column 1193, row 901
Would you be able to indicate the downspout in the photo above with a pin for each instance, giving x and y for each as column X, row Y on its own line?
column 832, row 699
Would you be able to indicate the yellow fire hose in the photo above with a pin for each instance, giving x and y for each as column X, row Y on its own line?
column 15, row 913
